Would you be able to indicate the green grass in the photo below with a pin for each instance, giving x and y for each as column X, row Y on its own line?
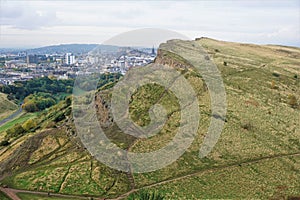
column 261, row 180
column 3, row 196
column 25, row 196
column 18, row 120
column 6, row 107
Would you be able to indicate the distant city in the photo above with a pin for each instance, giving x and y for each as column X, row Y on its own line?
column 69, row 61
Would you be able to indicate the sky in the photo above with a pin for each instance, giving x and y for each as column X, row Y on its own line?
column 39, row 23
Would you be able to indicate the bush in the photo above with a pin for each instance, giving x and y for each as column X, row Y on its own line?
column 273, row 85
column 145, row 195
column 69, row 101
column 30, row 107
column 292, row 101
column 4, row 143
column 29, row 124
column 225, row 63
column 59, row 117
column 275, row 74
column 247, row 126
column 15, row 131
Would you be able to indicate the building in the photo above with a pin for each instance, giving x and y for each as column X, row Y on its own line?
column 69, row 59
column 32, row 59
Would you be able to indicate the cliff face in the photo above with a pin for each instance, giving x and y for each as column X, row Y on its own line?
column 103, row 110
column 170, row 59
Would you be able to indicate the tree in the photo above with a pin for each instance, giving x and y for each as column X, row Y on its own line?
column 30, row 107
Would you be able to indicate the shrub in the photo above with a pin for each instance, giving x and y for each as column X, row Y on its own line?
column 69, row 101
column 145, row 195
column 15, row 131
column 59, row 117
column 273, row 85
column 4, row 143
column 292, row 101
column 275, row 74
column 30, row 107
column 225, row 63
column 29, row 124
column 247, row 125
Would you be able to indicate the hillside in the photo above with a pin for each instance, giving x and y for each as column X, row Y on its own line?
column 6, row 107
column 256, row 156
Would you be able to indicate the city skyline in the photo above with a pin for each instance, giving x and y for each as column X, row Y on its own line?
column 28, row 24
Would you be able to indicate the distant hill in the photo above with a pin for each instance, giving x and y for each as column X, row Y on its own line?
column 257, row 155
column 70, row 48
column 62, row 49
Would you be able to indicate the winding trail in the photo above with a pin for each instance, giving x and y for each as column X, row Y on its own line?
column 238, row 164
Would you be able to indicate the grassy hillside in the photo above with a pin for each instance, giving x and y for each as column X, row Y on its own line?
column 6, row 107
column 257, row 155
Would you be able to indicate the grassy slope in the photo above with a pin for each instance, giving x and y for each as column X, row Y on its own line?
column 260, row 162
column 25, row 196
column 274, row 130
column 53, row 160
column 6, row 107
column 3, row 196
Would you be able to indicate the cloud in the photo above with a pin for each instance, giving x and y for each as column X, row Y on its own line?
column 25, row 16
column 255, row 21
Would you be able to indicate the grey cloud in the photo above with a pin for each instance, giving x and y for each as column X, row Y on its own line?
column 24, row 16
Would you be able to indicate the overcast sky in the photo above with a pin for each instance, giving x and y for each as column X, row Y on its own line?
column 39, row 23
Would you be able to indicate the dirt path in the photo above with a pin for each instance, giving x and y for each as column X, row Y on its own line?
column 210, row 169
column 12, row 193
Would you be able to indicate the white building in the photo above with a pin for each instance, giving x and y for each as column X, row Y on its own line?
column 69, row 59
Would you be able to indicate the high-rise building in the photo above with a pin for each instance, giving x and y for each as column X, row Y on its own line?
column 153, row 51
column 69, row 59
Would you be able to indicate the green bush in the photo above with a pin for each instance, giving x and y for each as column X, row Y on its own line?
column 275, row 74
column 145, row 195
column 59, row 117
column 15, row 131
column 4, row 143
column 29, row 124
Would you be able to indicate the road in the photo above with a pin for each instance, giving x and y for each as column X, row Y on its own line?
column 12, row 116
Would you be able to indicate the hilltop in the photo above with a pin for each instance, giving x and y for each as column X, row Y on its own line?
column 63, row 48
column 256, row 156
